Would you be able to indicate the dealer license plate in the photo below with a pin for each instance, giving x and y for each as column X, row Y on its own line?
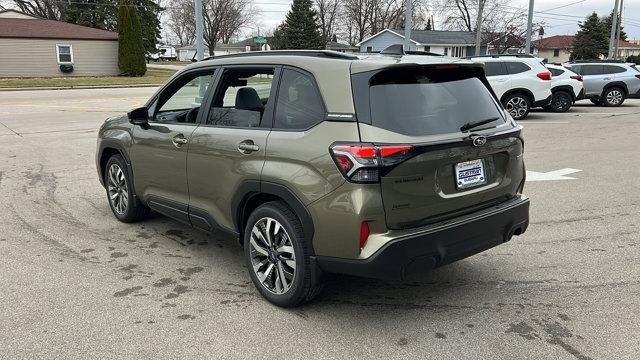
column 469, row 174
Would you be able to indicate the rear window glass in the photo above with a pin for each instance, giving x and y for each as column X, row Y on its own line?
column 556, row 72
column 517, row 67
column 429, row 101
column 613, row 69
column 495, row 68
column 592, row 70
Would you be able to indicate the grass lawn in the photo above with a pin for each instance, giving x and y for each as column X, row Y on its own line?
column 153, row 76
column 172, row 62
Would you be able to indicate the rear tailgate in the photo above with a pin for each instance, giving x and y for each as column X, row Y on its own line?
column 425, row 107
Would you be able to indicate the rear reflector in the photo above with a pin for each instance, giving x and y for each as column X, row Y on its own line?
column 545, row 75
column 576, row 77
column 364, row 233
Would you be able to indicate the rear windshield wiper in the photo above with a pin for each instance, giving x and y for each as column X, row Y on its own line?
column 473, row 124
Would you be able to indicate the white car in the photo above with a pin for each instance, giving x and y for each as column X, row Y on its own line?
column 521, row 82
column 566, row 87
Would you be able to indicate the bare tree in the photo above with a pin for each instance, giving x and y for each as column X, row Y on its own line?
column 223, row 20
column 329, row 13
column 48, row 9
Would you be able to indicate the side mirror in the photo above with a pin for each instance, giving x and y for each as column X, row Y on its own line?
column 139, row 116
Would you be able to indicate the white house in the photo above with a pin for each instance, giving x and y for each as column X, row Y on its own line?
column 449, row 43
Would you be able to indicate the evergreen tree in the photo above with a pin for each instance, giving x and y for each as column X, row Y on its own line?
column 591, row 40
column 131, row 59
column 103, row 14
column 606, row 23
column 300, row 28
column 428, row 26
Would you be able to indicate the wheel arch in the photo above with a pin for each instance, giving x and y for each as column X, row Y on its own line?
column 107, row 150
column 523, row 91
column 618, row 84
column 253, row 193
column 565, row 88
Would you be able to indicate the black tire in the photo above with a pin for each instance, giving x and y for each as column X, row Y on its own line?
column 596, row 102
column 517, row 105
column 613, row 96
column 134, row 210
column 561, row 101
column 307, row 282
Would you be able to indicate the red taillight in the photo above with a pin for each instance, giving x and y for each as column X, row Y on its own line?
column 576, row 77
column 361, row 162
column 545, row 75
column 364, row 233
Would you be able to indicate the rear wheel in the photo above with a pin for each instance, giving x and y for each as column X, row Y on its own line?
column 122, row 201
column 278, row 257
column 517, row 105
column 561, row 101
column 613, row 96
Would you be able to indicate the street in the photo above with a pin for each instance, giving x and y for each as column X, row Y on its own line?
column 76, row 283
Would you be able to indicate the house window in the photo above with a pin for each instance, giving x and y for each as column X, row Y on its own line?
column 369, row 49
column 446, row 51
column 556, row 52
column 427, row 48
column 64, row 53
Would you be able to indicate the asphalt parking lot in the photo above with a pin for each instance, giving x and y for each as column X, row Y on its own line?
column 75, row 283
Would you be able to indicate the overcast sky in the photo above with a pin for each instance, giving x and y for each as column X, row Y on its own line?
column 561, row 21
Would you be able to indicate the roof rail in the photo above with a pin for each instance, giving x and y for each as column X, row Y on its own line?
column 312, row 53
column 501, row 55
column 596, row 61
column 398, row 50
column 417, row 52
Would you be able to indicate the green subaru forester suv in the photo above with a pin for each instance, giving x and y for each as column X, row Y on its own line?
column 320, row 162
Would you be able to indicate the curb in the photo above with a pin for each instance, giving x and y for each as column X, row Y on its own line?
column 80, row 87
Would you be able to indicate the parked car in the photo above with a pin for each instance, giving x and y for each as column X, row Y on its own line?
column 607, row 82
column 521, row 82
column 321, row 162
column 566, row 87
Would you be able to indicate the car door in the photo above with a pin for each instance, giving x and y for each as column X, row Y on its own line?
column 159, row 149
column 227, row 150
column 593, row 78
column 498, row 77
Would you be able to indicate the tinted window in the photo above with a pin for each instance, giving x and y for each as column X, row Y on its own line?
column 242, row 97
column 517, row 67
column 591, row 70
column 556, row 72
column 494, row 68
column 428, row 101
column 613, row 69
column 299, row 104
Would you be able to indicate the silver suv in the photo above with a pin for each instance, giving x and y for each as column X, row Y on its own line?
column 608, row 83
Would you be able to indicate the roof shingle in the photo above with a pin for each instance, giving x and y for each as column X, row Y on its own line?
column 51, row 29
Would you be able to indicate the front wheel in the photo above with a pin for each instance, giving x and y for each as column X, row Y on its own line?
column 517, row 105
column 278, row 257
column 613, row 96
column 122, row 201
column 561, row 101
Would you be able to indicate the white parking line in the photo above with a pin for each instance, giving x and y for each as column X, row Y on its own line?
column 551, row 175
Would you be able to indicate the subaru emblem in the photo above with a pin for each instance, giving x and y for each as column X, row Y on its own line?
column 479, row 140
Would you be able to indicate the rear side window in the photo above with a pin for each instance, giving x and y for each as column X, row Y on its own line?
column 299, row 105
column 517, row 67
column 556, row 72
column 428, row 101
column 613, row 69
column 495, row 68
column 592, row 70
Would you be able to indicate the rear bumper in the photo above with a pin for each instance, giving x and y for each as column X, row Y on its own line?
column 438, row 244
column 580, row 95
column 542, row 103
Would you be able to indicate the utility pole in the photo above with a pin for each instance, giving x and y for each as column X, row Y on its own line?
column 527, row 48
column 407, row 24
column 479, row 26
column 199, row 31
column 618, row 30
column 614, row 24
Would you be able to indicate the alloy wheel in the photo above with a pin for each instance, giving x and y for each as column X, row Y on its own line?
column 614, row 97
column 517, row 107
column 561, row 102
column 117, row 189
column 273, row 258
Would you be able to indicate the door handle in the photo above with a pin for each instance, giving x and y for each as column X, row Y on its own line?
column 179, row 140
column 247, row 147
column 607, row 78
